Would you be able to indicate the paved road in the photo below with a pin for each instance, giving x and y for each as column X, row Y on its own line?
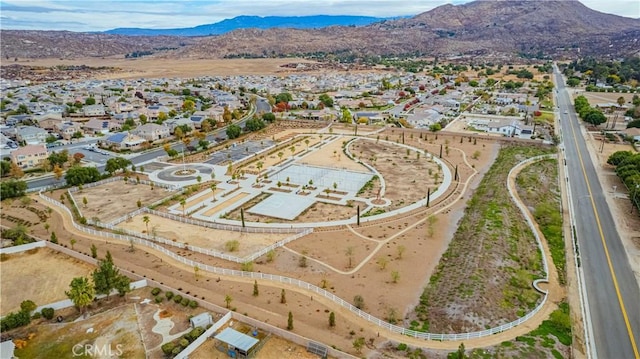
column 612, row 291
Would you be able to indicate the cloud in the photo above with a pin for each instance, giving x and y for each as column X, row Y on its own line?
column 99, row 15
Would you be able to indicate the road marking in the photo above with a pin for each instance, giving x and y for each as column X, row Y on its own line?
column 606, row 250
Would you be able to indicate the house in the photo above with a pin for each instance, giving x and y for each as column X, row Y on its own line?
column 152, row 132
column 526, row 132
column 197, row 121
column 29, row 156
column 31, row 135
column 507, row 128
column 123, row 141
column 202, row 320
column 15, row 120
column 96, row 125
column 49, row 121
column 67, row 129
column 634, row 133
column 154, row 111
column 93, row 110
column 176, row 122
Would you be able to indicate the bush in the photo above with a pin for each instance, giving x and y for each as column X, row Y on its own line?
column 28, row 306
column 402, row 347
column 193, row 304
column 185, row 301
column 159, row 299
column 177, row 298
column 167, row 348
column 169, row 295
column 176, row 350
column 48, row 313
column 155, row 291
column 184, row 343
column 36, row 315
column 14, row 320
column 194, row 333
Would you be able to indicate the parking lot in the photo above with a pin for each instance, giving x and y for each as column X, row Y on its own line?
column 239, row 151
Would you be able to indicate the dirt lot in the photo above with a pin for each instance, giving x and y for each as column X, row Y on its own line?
column 117, row 329
column 42, row 275
column 331, row 155
column 203, row 237
column 274, row 348
column 115, row 199
column 157, row 67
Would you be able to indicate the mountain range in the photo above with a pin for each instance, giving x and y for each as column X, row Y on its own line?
column 498, row 29
column 256, row 22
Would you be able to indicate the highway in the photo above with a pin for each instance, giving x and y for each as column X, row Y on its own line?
column 612, row 293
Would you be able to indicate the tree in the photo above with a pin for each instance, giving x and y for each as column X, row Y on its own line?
column 16, row 171
column 123, row 285
column 290, row 321
column 255, row 124
column 146, row 221
column 73, row 243
column 256, row 292
column 77, row 157
column 332, row 319
column 54, row 238
column 620, row 101
column 12, row 188
column 228, row 299
column 58, row 158
column 117, row 163
column 233, row 131
column 85, row 201
column 382, row 262
column 283, row 298
column 77, row 175
column 280, row 154
column 183, row 202
column 349, row 253
column 81, row 292
column 90, row 101
column 401, row 250
column 5, row 167
column 94, row 251
column 28, row 306
column 268, row 117
column 105, row 276
column 595, row 117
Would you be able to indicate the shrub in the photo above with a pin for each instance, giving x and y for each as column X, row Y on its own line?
column 176, row 350
column 194, row 333
column 28, row 306
column 183, row 343
column 155, row 291
column 48, row 313
column 167, row 348
column 185, row 301
column 36, row 315
column 159, row 299
column 177, row 298
column 193, row 304
column 169, row 295
column 402, row 347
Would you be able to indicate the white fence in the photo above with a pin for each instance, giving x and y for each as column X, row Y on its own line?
column 303, row 285
column 22, row 247
column 223, row 227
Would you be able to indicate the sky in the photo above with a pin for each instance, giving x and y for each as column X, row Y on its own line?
column 100, row 15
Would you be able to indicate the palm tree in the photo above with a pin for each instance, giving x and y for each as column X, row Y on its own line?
column 228, row 300
column 146, row 221
column 183, row 202
column 81, row 292
column 280, row 154
column 307, row 143
column 213, row 190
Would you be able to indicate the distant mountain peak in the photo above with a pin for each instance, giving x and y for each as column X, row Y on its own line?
column 257, row 22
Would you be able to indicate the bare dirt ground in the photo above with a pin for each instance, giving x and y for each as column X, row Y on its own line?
column 41, row 275
column 162, row 68
column 203, row 237
column 605, row 97
column 115, row 199
column 116, row 328
column 331, row 155
column 274, row 348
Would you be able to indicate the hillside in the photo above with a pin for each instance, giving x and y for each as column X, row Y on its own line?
column 562, row 29
column 257, row 22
